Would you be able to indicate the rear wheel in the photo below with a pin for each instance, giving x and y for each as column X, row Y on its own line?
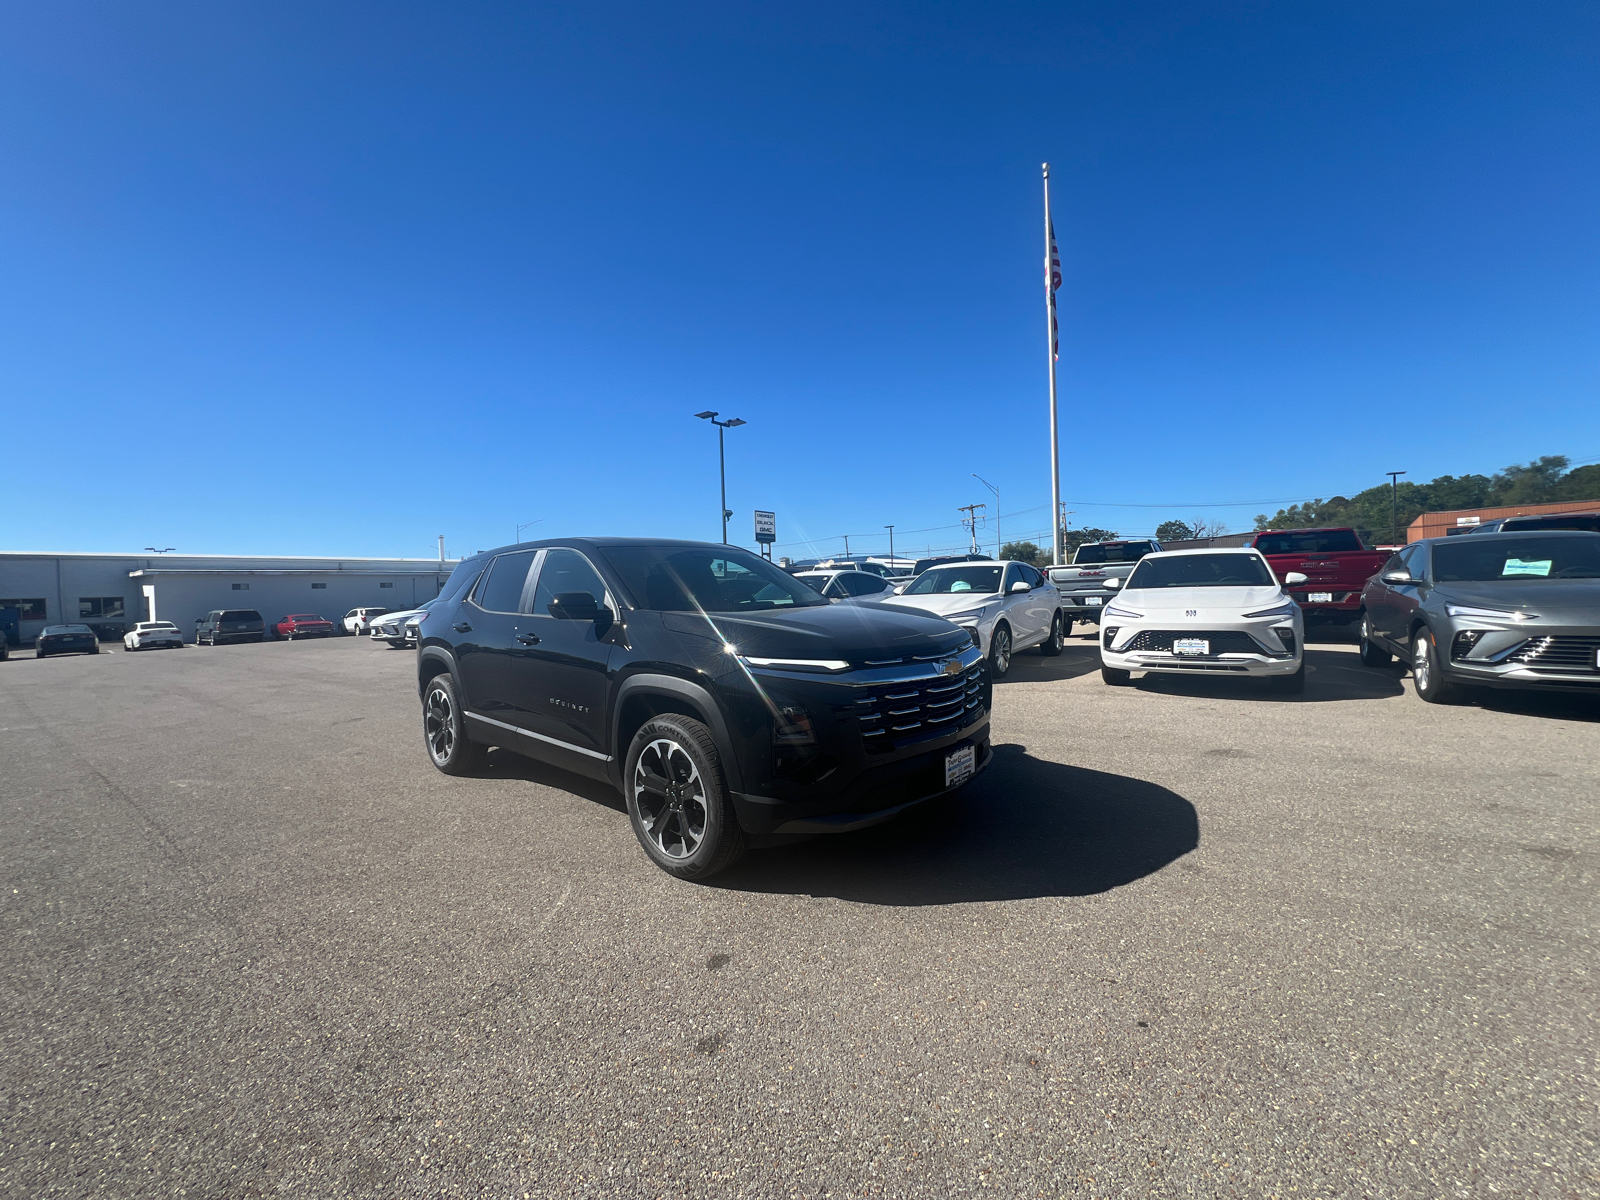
column 1371, row 655
column 444, row 730
column 1051, row 646
column 1000, row 651
column 1115, row 677
column 677, row 800
column 1425, row 673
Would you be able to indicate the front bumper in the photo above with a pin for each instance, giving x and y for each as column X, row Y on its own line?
column 1565, row 658
column 1252, row 649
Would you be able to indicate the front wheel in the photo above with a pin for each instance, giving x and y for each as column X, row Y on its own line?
column 1371, row 655
column 677, row 801
column 1114, row 677
column 1425, row 673
column 1051, row 646
column 444, row 730
column 1000, row 652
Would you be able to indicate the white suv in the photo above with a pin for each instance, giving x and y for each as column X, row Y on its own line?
column 1004, row 606
column 359, row 620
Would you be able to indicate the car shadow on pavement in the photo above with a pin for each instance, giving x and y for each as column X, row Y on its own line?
column 506, row 764
column 1330, row 675
column 1025, row 828
column 1032, row 667
column 1553, row 706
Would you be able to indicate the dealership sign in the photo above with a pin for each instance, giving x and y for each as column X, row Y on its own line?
column 766, row 528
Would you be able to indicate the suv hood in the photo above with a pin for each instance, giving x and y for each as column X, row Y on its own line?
column 944, row 603
column 853, row 632
column 1153, row 600
column 1547, row 597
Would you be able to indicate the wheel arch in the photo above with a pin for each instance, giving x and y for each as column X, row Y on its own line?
column 643, row 696
column 433, row 662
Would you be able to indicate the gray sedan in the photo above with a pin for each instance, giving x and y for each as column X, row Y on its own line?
column 1497, row 609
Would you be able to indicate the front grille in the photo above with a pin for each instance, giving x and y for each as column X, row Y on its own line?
column 895, row 713
column 1557, row 654
column 1227, row 641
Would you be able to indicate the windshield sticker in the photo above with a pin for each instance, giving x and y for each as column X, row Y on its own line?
column 1533, row 566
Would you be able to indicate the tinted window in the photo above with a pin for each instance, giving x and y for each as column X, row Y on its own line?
column 1201, row 570
column 1521, row 558
column 1112, row 552
column 835, row 590
column 461, row 580
column 1031, row 577
column 712, row 579
column 1323, row 541
column 566, row 571
column 1517, row 524
column 501, row 590
column 859, row 583
column 240, row 614
column 815, row 581
column 942, row 581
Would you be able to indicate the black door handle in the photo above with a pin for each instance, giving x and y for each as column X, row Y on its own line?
column 528, row 639
column 461, row 627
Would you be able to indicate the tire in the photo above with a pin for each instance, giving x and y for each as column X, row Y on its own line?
column 96, row 650
column 1291, row 685
column 681, row 814
column 1051, row 646
column 41, row 654
column 1000, row 651
column 1425, row 672
column 1371, row 655
column 444, row 731
column 1116, row 677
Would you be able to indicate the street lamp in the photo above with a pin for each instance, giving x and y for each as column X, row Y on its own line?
column 1394, row 505
column 722, row 463
column 996, row 492
column 165, row 550
column 520, row 528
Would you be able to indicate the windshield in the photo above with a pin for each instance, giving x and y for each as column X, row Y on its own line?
column 1503, row 557
column 945, row 581
column 1590, row 523
column 1201, row 570
column 1317, row 541
column 1112, row 552
column 718, row 579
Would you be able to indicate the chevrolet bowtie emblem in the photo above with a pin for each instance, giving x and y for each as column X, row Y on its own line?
column 952, row 666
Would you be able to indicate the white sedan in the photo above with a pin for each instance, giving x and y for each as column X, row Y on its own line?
column 399, row 629
column 1004, row 606
column 1208, row 612
column 849, row 586
column 149, row 634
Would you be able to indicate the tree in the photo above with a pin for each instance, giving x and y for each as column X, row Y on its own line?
column 1023, row 552
column 1174, row 531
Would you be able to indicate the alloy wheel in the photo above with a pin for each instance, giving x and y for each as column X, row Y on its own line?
column 1002, row 650
column 438, row 724
column 671, row 798
column 1421, row 664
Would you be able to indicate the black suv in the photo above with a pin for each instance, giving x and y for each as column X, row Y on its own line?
column 229, row 625
column 721, row 695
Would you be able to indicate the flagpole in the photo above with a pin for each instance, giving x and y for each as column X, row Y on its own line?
column 1050, row 351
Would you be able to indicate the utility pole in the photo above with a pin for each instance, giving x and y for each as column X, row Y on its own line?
column 1052, row 280
column 996, row 492
column 722, row 463
column 971, row 521
column 441, row 548
column 847, row 545
column 1394, row 505
column 890, row 528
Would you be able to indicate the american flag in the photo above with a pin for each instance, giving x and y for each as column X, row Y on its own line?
column 1055, row 286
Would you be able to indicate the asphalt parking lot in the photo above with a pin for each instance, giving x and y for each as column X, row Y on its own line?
column 1182, row 939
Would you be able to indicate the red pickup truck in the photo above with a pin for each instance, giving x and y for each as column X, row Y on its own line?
column 1335, row 563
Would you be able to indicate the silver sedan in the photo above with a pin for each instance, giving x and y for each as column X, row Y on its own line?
column 1496, row 609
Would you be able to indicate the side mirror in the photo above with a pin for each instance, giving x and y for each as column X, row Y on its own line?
column 574, row 606
column 1399, row 577
column 1020, row 585
column 1113, row 582
column 1293, row 579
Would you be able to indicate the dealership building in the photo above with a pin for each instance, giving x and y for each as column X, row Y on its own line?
column 111, row 592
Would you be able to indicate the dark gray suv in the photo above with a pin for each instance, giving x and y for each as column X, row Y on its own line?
column 223, row 625
column 1497, row 609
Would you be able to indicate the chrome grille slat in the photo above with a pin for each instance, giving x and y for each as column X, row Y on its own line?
column 921, row 708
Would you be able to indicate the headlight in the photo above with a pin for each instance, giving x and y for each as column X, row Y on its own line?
column 1493, row 614
column 1113, row 611
column 1283, row 610
column 971, row 614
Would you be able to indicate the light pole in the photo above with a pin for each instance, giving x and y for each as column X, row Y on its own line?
column 1394, row 504
column 996, row 492
column 520, row 528
column 722, row 462
column 165, row 550
column 890, row 528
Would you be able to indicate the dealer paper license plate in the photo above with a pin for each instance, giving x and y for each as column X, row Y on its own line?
column 1191, row 646
column 1319, row 598
column 960, row 765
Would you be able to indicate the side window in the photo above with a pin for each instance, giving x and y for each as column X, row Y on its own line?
column 859, row 583
column 1410, row 560
column 1013, row 574
column 501, row 589
column 836, row 588
column 566, row 571
column 1030, row 576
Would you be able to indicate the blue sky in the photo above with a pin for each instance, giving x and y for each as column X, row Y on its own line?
column 337, row 279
